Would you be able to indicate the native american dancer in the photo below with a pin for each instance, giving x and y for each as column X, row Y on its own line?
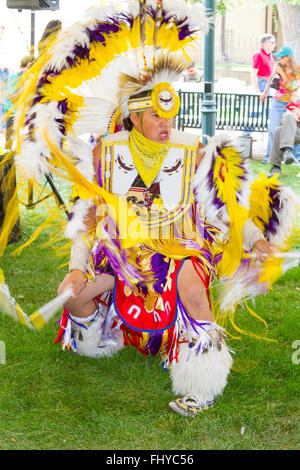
column 158, row 218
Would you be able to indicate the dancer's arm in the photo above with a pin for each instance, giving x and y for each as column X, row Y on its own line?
column 80, row 246
column 79, row 255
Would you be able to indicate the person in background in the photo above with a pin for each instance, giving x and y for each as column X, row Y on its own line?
column 263, row 63
column 262, row 68
column 286, row 136
column 289, row 85
column 192, row 74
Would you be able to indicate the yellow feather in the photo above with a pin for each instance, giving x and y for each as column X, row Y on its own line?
column 260, row 200
column 249, row 333
column 227, row 179
column 271, row 270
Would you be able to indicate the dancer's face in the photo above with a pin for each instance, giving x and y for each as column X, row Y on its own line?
column 152, row 126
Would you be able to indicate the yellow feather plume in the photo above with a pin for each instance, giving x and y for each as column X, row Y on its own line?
column 227, row 178
column 260, row 200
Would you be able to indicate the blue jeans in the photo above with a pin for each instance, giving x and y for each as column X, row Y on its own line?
column 261, row 83
column 297, row 152
column 277, row 109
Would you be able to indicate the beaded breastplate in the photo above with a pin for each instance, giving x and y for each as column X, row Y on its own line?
column 170, row 193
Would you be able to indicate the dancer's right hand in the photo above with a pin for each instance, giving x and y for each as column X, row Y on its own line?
column 74, row 279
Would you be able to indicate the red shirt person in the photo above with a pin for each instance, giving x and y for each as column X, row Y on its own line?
column 263, row 63
column 262, row 69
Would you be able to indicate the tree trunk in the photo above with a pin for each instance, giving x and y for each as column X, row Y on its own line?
column 289, row 16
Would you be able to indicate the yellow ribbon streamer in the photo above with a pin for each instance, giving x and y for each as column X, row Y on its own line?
column 118, row 208
column 238, row 216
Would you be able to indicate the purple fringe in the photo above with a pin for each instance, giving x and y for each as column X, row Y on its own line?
column 160, row 269
column 198, row 326
column 154, row 343
column 184, row 30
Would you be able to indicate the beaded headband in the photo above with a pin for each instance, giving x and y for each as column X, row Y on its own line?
column 163, row 100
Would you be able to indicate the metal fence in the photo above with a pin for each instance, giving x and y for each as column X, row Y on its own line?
column 233, row 111
column 236, row 48
column 232, row 47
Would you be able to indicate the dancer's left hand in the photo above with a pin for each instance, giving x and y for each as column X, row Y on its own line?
column 263, row 249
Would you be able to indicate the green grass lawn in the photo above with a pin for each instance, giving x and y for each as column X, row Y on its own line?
column 50, row 399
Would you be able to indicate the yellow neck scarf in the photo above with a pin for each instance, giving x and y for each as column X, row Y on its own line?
column 147, row 155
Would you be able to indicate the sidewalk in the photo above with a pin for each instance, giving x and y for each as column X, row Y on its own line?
column 259, row 143
column 259, row 140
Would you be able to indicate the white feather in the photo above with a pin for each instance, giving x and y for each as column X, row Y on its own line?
column 76, row 223
column 30, row 162
column 203, row 375
column 84, row 153
column 100, row 94
column 64, row 45
column 287, row 215
column 193, row 14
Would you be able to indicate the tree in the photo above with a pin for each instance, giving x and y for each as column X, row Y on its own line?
column 288, row 14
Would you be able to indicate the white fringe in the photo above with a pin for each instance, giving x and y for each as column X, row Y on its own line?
column 76, row 223
column 204, row 375
column 91, row 341
column 287, row 214
column 82, row 152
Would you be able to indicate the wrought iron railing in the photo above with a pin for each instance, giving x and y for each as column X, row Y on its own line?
column 233, row 111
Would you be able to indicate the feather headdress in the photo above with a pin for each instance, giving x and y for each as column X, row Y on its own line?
column 82, row 82
column 221, row 185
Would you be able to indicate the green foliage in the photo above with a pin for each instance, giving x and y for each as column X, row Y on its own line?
column 221, row 5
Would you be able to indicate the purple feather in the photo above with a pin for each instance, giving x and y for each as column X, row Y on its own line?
column 154, row 343
column 272, row 227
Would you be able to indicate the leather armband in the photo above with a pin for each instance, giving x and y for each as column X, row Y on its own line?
column 79, row 252
column 251, row 234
